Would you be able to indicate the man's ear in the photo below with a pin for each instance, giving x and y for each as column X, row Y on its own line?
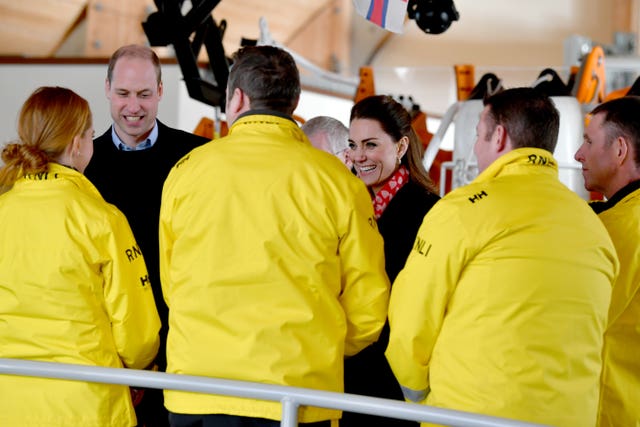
column 107, row 88
column 160, row 90
column 238, row 102
column 621, row 150
column 500, row 139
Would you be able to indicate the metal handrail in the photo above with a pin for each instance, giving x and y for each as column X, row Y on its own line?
column 291, row 398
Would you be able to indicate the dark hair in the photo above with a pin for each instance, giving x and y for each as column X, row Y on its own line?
column 395, row 121
column 528, row 115
column 622, row 118
column 49, row 120
column 268, row 75
column 134, row 51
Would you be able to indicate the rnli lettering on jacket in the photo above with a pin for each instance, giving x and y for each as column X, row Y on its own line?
column 480, row 315
column 73, row 288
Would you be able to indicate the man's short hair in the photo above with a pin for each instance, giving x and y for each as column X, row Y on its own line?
column 336, row 132
column 268, row 75
column 135, row 51
column 622, row 118
column 528, row 115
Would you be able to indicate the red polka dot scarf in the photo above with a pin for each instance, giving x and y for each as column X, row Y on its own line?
column 390, row 188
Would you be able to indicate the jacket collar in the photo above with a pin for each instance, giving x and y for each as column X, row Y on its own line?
column 265, row 112
column 515, row 160
column 599, row 207
column 59, row 173
column 268, row 119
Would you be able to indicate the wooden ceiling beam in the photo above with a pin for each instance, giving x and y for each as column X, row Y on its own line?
column 323, row 38
column 114, row 23
column 37, row 27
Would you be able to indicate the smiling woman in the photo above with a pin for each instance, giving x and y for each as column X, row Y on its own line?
column 387, row 156
column 375, row 154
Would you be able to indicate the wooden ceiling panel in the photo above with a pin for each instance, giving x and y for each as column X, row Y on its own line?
column 284, row 18
column 36, row 27
column 318, row 30
column 114, row 23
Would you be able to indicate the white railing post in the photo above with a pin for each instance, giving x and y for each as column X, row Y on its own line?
column 289, row 397
column 289, row 412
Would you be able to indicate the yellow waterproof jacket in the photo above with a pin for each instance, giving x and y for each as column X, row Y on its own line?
column 271, row 265
column 73, row 289
column 502, row 304
column 620, row 394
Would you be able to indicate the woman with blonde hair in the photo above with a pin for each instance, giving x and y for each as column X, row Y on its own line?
column 73, row 283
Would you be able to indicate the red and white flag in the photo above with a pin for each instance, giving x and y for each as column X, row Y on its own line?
column 388, row 14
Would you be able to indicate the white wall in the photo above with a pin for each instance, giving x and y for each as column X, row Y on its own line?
column 177, row 109
column 502, row 33
column 18, row 81
column 514, row 39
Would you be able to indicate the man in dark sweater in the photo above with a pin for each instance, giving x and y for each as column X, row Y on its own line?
column 129, row 165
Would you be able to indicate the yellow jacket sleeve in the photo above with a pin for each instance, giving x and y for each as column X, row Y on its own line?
column 129, row 298
column 365, row 293
column 420, row 296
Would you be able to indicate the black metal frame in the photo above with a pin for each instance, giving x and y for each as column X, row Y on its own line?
column 169, row 26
